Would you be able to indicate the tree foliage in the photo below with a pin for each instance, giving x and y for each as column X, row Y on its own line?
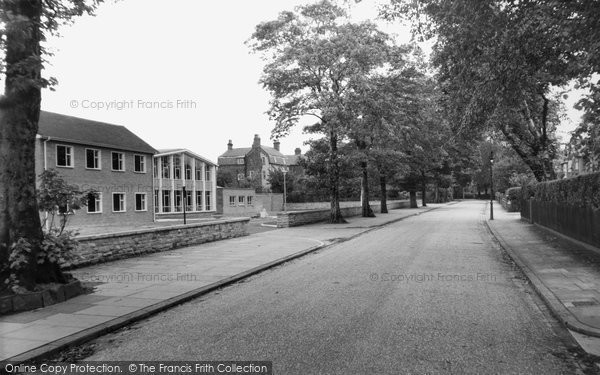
column 498, row 61
column 314, row 58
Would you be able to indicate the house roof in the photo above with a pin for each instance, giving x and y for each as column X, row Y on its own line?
column 293, row 159
column 230, row 156
column 172, row 151
column 88, row 132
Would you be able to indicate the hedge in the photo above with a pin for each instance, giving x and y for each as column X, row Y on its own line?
column 579, row 191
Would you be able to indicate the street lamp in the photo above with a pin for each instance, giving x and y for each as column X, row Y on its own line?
column 492, row 185
column 284, row 190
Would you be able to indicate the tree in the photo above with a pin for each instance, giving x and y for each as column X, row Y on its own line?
column 23, row 26
column 497, row 64
column 313, row 56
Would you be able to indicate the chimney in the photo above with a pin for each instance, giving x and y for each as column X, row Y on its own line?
column 276, row 144
column 230, row 145
column 256, row 142
column 297, row 151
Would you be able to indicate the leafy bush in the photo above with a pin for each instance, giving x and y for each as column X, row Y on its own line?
column 513, row 199
column 579, row 191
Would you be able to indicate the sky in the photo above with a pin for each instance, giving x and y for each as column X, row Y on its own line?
column 177, row 73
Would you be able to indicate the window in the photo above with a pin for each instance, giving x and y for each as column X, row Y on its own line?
column 118, row 202
column 207, row 200
column 140, row 202
column 249, row 200
column 178, row 201
column 240, row 160
column 118, row 162
column 232, row 200
column 156, row 201
column 251, row 174
column 188, row 200
column 166, row 170
column 94, row 203
column 139, row 163
column 208, row 172
column 92, row 158
column 155, row 167
column 176, row 167
column 198, row 174
column 198, row 201
column 241, row 200
column 264, row 160
column 188, row 172
column 240, row 176
column 166, row 200
column 65, row 209
column 64, row 156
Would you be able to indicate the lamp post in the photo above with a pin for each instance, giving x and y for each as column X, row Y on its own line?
column 492, row 185
column 284, row 190
column 183, row 192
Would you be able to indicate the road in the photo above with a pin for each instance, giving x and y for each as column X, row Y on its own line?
column 430, row 294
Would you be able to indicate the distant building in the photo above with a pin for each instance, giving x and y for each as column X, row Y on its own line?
column 176, row 169
column 103, row 157
column 251, row 166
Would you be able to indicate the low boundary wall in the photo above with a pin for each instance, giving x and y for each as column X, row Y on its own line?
column 112, row 246
column 296, row 218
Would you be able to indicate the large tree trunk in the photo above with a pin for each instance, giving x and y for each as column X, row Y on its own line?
column 19, row 115
column 383, row 186
column 364, row 185
column 334, row 179
column 413, row 198
column 423, row 190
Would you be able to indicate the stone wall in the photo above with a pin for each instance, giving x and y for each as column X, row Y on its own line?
column 296, row 218
column 106, row 247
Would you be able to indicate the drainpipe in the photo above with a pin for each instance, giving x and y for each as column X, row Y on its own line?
column 153, row 191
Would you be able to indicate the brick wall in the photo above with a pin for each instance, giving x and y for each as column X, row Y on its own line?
column 105, row 181
column 296, row 218
column 106, row 247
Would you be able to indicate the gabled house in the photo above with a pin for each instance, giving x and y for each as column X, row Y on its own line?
column 251, row 166
column 106, row 158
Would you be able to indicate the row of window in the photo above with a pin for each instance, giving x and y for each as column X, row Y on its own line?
column 94, row 201
column 118, row 202
column 241, row 200
column 165, row 169
column 175, row 202
column 241, row 176
column 93, row 159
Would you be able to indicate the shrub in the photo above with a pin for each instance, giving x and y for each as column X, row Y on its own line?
column 513, row 199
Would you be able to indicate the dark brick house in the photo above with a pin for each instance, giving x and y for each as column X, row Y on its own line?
column 103, row 157
column 251, row 166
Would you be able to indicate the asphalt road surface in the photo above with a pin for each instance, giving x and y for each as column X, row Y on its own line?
column 430, row 294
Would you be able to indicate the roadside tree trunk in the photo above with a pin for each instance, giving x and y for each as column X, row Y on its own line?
column 364, row 185
column 383, row 186
column 19, row 115
column 334, row 179
column 423, row 190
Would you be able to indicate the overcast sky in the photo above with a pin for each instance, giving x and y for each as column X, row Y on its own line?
column 187, row 55
column 138, row 51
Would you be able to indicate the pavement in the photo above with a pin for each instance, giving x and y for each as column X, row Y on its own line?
column 132, row 289
column 565, row 273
